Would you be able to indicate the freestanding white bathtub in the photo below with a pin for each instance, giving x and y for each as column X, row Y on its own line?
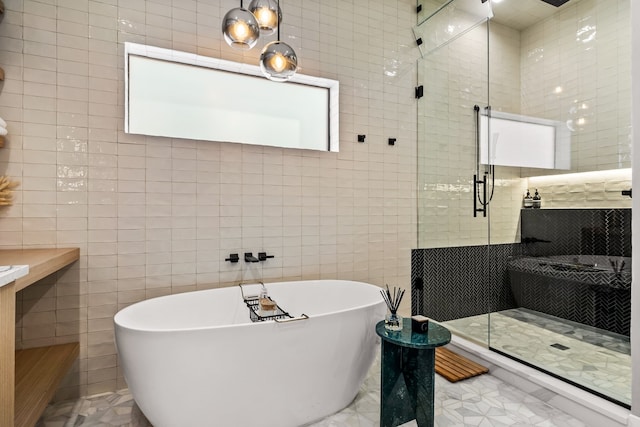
column 196, row 359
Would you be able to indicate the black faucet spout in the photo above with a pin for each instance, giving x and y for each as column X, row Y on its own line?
column 248, row 257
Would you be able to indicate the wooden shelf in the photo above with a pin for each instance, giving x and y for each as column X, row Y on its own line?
column 7, row 354
column 29, row 378
column 42, row 262
column 38, row 374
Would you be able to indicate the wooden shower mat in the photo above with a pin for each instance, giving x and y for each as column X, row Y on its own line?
column 454, row 367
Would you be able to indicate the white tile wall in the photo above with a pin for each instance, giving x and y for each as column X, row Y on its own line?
column 598, row 189
column 576, row 69
column 570, row 66
column 154, row 216
column 455, row 79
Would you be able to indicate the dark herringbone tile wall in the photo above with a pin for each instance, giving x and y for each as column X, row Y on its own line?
column 577, row 231
column 456, row 282
column 461, row 281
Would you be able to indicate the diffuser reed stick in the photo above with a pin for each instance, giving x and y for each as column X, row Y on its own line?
column 392, row 301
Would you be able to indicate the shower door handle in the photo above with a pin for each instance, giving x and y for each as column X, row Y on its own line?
column 477, row 182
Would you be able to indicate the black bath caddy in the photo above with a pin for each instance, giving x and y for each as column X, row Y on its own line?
column 253, row 302
column 253, row 305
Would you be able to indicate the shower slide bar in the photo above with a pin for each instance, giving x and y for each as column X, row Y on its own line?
column 477, row 182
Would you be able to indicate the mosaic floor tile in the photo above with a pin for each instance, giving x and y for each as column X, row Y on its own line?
column 573, row 351
column 589, row 334
column 483, row 401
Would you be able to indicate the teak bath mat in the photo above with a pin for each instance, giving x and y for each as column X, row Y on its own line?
column 454, row 367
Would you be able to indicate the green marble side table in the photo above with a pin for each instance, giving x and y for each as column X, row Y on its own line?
column 408, row 373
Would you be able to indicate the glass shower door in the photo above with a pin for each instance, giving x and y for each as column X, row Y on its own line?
column 467, row 210
column 453, row 224
column 473, row 262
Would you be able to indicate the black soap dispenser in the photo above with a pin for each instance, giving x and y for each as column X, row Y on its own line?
column 528, row 200
column 537, row 200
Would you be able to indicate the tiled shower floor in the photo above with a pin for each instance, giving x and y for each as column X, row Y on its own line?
column 596, row 359
column 483, row 401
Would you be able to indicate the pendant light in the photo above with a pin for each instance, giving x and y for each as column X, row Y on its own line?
column 240, row 28
column 278, row 60
column 268, row 15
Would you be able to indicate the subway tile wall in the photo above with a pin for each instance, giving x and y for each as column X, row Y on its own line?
column 573, row 67
column 455, row 79
column 154, row 216
column 576, row 68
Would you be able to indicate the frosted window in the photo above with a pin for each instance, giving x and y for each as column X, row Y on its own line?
column 513, row 140
column 193, row 97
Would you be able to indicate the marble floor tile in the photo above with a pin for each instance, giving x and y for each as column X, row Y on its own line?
column 596, row 359
column 483, row 401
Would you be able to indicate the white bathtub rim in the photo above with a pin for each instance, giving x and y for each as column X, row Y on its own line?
column 248, row 322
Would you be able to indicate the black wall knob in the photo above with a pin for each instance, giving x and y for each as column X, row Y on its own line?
column 262, row 256
column 233, row 258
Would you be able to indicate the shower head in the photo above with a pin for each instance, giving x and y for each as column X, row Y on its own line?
column 556, row 3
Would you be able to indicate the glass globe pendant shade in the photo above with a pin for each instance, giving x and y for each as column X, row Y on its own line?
column 278, row 61
column 268, row 15
column 240, row 29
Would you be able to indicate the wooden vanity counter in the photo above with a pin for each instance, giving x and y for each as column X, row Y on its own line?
column 30, row 377
column 41, row 262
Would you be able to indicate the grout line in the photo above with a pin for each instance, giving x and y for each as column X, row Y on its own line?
column 74, row 414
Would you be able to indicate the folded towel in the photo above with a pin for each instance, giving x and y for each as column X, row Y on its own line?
column 3, row 131
column 3, row 123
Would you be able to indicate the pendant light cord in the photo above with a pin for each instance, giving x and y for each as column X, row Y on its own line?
column 278, row 12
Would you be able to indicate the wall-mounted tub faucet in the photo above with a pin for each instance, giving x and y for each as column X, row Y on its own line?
column 248, row 257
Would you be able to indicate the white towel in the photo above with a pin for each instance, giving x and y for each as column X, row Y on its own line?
column 3, row 123
column 3, row 131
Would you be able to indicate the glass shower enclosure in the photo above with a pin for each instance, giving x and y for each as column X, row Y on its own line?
column 505, row 94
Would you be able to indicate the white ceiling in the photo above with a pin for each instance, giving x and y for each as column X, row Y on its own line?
column 520, row 14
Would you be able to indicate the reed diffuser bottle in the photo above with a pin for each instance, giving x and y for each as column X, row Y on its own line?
column 393, row 321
